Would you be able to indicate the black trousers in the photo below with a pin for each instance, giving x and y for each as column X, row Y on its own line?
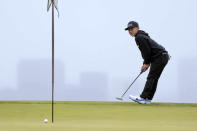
column 156, row 69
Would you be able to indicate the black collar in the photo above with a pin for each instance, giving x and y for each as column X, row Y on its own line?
column 137, row 33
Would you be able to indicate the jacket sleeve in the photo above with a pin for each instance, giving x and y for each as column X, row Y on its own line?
column 144, row 48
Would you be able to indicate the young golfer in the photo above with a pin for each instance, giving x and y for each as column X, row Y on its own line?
column 155, row 56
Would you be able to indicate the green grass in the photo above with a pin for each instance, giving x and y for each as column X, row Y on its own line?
column 97, row 116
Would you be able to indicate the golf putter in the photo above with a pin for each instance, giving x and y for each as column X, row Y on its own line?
column 121, row 98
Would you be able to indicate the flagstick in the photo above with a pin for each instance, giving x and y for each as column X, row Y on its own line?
column 53, row 41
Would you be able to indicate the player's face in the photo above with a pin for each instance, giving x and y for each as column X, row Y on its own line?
column 133, row 31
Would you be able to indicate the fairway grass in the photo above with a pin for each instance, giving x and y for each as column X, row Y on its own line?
column 97, row 116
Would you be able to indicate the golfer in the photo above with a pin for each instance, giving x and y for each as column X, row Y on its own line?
column 155, row 56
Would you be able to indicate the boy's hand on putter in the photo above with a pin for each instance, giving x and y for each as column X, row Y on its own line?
column 145, row 67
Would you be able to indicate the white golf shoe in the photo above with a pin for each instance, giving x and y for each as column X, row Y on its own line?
column 139, row 100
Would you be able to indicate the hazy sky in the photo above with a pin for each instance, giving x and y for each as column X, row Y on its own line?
column 95, row 58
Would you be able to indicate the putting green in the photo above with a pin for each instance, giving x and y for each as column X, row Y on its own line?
column 97, row 116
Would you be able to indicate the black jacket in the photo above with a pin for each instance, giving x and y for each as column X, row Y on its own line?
column 150, row 49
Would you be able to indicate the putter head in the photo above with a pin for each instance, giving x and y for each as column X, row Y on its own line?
column 119, row 98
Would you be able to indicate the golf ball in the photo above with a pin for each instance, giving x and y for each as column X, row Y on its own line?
column 45, row 120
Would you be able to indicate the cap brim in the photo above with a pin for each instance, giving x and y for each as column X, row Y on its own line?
column 129, row 28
